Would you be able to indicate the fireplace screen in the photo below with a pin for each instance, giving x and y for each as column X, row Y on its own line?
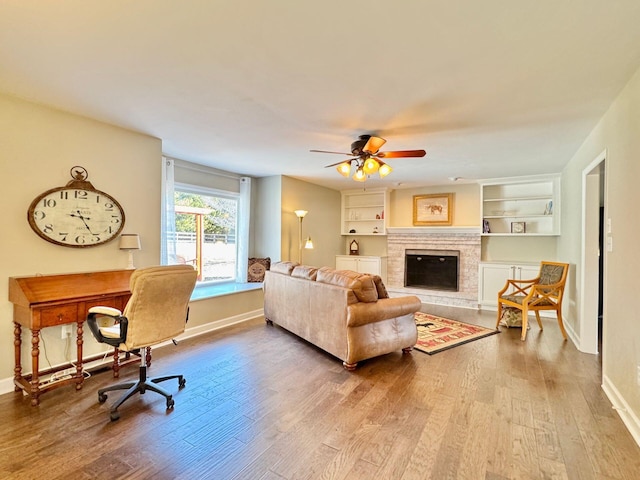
column 433, row 269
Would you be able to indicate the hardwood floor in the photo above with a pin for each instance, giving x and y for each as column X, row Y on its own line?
column 262, row 404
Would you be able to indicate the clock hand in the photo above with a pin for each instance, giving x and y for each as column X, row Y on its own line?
column 84, row 220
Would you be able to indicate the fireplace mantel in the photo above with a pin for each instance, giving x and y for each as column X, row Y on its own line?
column 437, row 230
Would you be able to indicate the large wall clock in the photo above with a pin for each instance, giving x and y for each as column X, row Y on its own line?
column 76, row 215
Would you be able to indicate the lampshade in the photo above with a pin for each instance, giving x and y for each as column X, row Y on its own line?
column 301, row 213
column 359, row 176
column 344, row 169
column 370, row 166
column 308, row 244
column 129, row 241
column 384, row 170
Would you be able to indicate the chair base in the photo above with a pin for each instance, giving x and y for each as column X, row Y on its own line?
column 140, row 386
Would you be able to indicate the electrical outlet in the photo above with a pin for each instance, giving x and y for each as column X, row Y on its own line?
column 66, row 331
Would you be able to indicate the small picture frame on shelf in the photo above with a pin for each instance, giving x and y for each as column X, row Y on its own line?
column 518, row 227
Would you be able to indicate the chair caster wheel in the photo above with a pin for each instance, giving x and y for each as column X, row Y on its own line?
column 170, row 403
column 114, row 416
column 102, row 397
column 181, row 383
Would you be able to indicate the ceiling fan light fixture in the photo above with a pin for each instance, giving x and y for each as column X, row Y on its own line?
column 359, row 176
column 384, row 170
column 370, row 166
column 344, row 169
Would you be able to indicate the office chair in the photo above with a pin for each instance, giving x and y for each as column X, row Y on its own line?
column 156, row 312
column 541, row 293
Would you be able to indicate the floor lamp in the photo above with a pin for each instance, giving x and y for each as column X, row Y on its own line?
column 308, row 244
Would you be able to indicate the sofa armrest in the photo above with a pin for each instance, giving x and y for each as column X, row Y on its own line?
column 385, row 308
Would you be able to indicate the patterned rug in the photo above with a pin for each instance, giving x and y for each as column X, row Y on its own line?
column 436, row 334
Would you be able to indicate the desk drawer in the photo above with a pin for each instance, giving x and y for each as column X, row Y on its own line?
column 59, row 315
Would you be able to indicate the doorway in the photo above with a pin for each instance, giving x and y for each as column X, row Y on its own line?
column 592, row 322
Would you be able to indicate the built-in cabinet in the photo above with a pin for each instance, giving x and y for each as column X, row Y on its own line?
column 364, row 212
column 493, row 276
column 363, row 264
column 521, row 206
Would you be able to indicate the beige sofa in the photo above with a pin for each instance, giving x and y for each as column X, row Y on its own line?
column 345, row 313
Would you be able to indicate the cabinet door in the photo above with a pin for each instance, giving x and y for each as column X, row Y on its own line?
column 527, row 272
column 346, row 263
column 369, row 265
column 492, row 279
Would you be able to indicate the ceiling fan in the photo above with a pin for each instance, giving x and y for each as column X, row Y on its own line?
column 366, row 158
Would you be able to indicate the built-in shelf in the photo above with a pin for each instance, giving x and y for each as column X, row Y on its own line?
column 524, row 206
column 364, row 212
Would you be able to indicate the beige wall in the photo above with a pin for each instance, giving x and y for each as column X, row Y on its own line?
column 466, row 213
column 39, row 147
column 322, row 222
column 617, row 132
column 466, row 204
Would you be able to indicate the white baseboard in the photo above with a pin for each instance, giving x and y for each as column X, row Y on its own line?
column 6, row 384
column 629, row 418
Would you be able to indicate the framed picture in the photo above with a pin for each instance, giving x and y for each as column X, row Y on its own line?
column 432, row 209
column 518, row 227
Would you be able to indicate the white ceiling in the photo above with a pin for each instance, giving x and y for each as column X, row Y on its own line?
column 488, row 88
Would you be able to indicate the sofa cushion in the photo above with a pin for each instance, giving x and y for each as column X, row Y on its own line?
column 302, row 271
column 381, row 289
column 283, row 267
column 361, row 284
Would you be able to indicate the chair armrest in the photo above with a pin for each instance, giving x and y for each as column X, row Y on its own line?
column 100, row 311
column 108, row 311
column 520, row 286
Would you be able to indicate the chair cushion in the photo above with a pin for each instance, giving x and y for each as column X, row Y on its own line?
column 519, row 298
column 550, row 274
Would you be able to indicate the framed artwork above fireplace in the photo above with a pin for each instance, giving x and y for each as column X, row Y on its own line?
column 434, row 209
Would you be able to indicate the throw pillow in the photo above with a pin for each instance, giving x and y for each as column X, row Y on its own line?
column 382, row 290
column 257, row 267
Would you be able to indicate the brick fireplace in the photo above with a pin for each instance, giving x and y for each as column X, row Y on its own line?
column 465, row 240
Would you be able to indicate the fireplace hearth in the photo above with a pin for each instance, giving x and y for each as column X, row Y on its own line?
column 432, row 269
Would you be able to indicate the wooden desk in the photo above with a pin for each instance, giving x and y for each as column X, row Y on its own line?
column 52, row 300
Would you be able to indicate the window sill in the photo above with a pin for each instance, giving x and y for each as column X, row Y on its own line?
column 202, row 292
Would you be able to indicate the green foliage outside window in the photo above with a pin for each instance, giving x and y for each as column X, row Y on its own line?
column 220, row 220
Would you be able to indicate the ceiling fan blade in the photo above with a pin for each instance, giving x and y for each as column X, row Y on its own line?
column 373, row 144
column 336, row 164
column 325, row 151
column 401, row 153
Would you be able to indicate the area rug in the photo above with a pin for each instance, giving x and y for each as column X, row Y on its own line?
column 436, row 334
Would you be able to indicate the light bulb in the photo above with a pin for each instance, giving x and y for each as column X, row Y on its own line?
column 359, row 176
column 344, row 169
column 371, row 166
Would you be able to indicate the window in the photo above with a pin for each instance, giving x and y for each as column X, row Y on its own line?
column 206, row 232
column 205, row 220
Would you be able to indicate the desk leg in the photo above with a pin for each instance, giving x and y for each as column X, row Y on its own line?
column 79, row 341
column 35, row 380
column 17, row 347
